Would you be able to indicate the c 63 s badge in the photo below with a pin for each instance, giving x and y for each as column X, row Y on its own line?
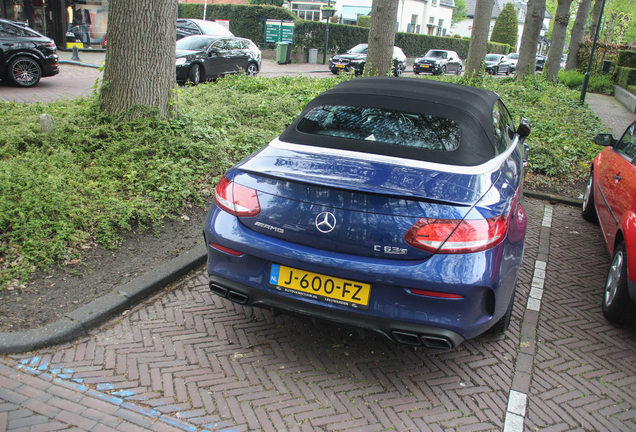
column 390, row 250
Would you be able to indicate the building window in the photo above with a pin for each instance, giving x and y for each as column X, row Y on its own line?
column 434, row 2
column 431, row 20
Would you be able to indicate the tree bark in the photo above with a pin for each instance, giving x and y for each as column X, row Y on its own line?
column 577, row 33
column 530, row 39
column 139, row 72
column 479, row 36
column 381, row 37
column 596, row 12
column 559, row 31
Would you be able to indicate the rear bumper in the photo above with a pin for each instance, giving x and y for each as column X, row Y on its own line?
column 398, row 331
column 50, row 66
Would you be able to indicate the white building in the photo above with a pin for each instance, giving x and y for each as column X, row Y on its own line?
column 431, row 17
column 465, row 27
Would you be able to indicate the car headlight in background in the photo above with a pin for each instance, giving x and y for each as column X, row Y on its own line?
column 180, row 61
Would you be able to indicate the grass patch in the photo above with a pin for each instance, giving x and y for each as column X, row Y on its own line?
column 96, row 175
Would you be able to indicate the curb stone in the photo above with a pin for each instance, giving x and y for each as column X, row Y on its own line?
column 80, row 321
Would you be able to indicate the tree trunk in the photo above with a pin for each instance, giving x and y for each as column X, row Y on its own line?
column 596, row 12
column 139, row 72
column 381, row 37
column 577, row 33
column 559, row 31
column 530, row 38
column 478, row 47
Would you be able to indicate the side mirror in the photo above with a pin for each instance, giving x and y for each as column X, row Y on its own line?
column 524, row 128
column 214, row 50
column 604, row 139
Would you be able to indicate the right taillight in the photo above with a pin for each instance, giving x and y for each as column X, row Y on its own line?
column 450, row 236
column 237, row 199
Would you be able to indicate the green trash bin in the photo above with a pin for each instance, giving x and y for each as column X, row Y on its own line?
column 281, row 52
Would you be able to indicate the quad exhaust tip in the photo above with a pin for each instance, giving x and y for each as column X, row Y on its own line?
column 429, row 341
column 233, row 296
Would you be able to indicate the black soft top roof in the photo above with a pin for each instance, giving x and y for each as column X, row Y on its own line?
column 470, row 107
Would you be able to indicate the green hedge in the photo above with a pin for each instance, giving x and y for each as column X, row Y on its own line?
column 627, row 59
column 625, row 76
column 245, row 20
column 632, row 89
column 248, row 21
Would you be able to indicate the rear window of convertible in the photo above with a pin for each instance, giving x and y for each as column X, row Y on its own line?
column 382, row 126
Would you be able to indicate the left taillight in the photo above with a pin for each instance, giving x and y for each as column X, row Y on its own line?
column 237, row 199
column 450, row 236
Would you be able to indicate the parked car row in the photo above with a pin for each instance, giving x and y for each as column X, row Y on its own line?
column 355, row 59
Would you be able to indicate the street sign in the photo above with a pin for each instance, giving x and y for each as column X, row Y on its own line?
column 278, row 30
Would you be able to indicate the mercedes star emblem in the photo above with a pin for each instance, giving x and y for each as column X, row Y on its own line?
column 325, row 222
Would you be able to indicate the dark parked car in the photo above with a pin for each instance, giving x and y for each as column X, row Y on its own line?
column 192, row 26
column 355, row 59
column 498, row 63
column 610, row 199
column 25, row 55
column 540, row 62
column 200, row 58
column 389, row 205
column 438, row 62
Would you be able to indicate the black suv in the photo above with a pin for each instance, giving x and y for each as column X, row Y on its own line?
column 25, row 55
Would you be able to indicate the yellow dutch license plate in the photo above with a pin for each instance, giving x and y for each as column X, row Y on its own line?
column 424, row 66
column 340, row 66
column 317, row 286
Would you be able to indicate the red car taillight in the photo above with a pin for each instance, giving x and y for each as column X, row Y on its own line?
column 236, row 199
column 450, row 236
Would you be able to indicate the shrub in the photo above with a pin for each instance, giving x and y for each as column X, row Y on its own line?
column 364, row 21
column 627, row 59
column 597, row 83
column 625, row 76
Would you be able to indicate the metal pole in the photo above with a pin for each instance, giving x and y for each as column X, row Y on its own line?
column 324, row 55
column 586, row 79
column 205, row 8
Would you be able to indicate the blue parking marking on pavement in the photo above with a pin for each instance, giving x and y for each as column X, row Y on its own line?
column 107, row 398
column 77, row 387
column 78, row 380
column 44, row 366
column 34, row 361
column 105, row 386
column 124, row 393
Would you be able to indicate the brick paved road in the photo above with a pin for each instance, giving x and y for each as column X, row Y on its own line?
column 188, row 360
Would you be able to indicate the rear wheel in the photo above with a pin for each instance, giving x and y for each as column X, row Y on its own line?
column 507, row 71
column 24, row 72
column 495, row 71
column 459, row 70
column 252, row 69
column 194, row 75
column 617, row 306
column 588, row 211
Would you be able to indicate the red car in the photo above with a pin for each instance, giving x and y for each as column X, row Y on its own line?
column 610, row 200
